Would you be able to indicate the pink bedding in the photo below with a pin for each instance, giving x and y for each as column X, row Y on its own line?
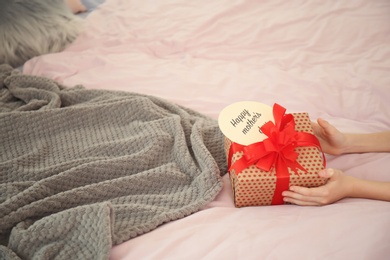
column 328, row 58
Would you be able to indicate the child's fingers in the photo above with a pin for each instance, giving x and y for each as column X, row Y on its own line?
column 300, row 202
column 306, row 192
column 306, row 196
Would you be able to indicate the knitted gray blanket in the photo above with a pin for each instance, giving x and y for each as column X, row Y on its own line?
column 82, row 170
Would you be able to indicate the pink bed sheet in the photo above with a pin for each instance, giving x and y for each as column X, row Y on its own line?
column 328, row 58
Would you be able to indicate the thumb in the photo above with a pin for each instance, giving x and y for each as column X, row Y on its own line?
column 324, row 125
column 327, row 128
column 326, row 173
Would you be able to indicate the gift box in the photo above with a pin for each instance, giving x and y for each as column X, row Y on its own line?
column 291, row 155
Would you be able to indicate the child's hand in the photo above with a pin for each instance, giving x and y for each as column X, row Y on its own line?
column 337, row 187
column 332, row 140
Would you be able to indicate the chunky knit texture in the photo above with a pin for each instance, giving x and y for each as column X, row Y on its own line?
column 82, row 170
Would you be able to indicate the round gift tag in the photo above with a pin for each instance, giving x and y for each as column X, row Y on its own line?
column 241, row 121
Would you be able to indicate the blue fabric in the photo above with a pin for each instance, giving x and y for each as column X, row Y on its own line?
column 90, row 5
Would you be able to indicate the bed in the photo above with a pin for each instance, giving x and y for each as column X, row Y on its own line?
column 330, row 59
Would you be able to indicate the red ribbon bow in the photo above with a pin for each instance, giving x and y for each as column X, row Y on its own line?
column 278, row 150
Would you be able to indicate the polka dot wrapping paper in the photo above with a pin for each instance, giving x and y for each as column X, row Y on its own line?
column 256, row 187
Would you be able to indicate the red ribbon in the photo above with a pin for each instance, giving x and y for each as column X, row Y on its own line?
column 278, row 150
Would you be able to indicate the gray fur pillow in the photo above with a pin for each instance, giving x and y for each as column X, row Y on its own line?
column 30, row 28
